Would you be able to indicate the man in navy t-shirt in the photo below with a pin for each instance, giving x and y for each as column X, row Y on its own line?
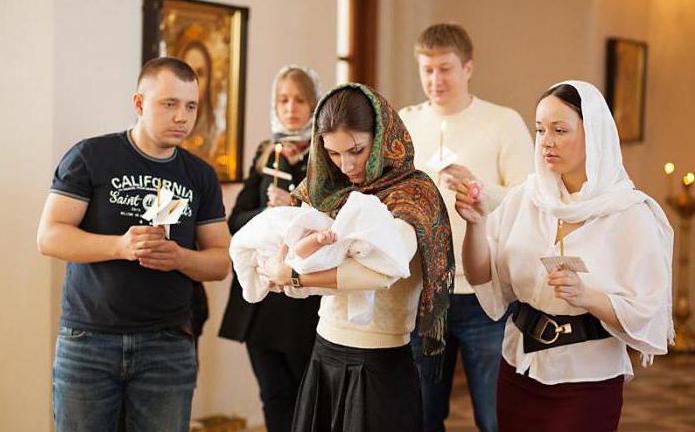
column 125, row 335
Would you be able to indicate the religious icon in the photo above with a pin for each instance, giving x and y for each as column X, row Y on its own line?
column 626, row 63
column 211, row 39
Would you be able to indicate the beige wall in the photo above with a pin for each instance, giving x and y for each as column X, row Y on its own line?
column 26, row 119
column 670, row 112
column 510, row 46
column 521, row 48
column 671, row 78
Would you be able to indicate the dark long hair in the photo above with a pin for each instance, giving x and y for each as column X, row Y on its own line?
column 349, row 110
column 567, row 94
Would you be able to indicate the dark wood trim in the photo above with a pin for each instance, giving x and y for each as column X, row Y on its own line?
column 242, row 92
column 363, row 41
column 151, row 13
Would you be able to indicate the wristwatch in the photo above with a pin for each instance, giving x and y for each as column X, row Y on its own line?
column 294, row 278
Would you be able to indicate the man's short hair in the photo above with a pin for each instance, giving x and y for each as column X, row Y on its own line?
column 179, row 68
column 447, row 37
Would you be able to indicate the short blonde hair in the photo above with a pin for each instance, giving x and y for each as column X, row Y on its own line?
column 447, row 37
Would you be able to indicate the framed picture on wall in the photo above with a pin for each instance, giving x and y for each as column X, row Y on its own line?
column 212, row 39
column 626, row 78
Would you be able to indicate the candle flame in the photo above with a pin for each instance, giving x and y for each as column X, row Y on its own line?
column 278, row 148
column 443, row 126
column 688, row 179
column 669, row 168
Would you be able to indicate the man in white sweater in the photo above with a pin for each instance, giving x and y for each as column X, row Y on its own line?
column 487, row 143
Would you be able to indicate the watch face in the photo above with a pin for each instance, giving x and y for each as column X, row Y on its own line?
column 295, row 282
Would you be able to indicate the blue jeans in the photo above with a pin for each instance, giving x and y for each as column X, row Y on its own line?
column 152, row 375
column 479, row 339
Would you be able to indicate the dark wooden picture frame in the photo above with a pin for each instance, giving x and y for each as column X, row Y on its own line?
column 211, row 38
column 626, row 83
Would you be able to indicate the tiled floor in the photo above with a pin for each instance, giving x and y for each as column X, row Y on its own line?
column 660, row 398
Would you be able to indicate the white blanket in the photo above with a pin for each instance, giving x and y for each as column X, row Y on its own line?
column 365, row 230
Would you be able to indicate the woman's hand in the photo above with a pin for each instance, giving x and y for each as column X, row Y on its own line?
column 276, row 271
column 468, row 201
column 455, row 173
column 569, row 287
column 278, row 197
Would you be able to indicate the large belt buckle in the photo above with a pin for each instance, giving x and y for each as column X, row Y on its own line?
column 542, row 325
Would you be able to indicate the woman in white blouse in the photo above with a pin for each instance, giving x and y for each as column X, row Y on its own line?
column 564, row 349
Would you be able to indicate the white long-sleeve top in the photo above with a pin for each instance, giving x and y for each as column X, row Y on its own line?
column 490, row 140
column 625, row 262
column 395, row 304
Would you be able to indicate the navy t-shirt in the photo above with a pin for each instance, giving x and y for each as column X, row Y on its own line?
column 120, row 182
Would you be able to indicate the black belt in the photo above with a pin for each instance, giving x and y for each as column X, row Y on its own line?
column 542, row 331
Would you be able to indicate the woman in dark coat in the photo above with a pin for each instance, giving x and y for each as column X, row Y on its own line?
column 279, row 331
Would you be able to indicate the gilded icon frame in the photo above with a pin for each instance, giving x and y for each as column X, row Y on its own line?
column 626, row 78
column 212, row 38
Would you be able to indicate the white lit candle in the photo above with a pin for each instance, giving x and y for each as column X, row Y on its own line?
column 276, row 164
column 442, row 130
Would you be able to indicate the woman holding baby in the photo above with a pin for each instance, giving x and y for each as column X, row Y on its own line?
column 361, row 377
column 564, row 350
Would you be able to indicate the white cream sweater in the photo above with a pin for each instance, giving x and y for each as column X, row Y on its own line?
column 492, row 141
column 395, row 306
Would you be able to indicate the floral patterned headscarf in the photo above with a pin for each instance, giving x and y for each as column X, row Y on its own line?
column 409, row 194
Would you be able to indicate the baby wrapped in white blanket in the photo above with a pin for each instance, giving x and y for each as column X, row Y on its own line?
column 364, row 229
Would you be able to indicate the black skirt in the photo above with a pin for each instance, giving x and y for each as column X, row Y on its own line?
column 359, row 390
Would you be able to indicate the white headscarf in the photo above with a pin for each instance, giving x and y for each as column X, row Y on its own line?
column 608, row 188
column 278, row 129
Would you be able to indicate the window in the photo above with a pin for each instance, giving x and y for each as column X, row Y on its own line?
column 356, row 41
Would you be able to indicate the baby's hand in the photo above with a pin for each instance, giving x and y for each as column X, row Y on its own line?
column 325, row 237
